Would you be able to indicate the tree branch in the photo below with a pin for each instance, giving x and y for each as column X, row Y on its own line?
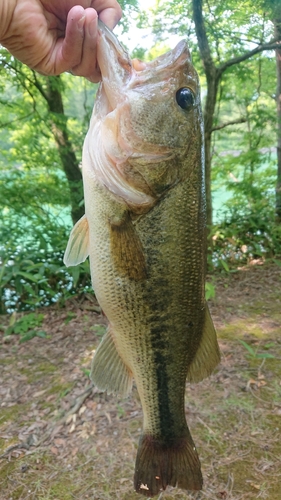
column 233, row 122
column 5, row 125
column 274, row 44
column 203, row 43
column 39, row 87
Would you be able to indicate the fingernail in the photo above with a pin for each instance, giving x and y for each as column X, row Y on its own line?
column 138, row 65
column 81, row 22
column 93, row 27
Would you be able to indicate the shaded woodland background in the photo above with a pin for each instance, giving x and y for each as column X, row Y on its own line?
column 236, row 49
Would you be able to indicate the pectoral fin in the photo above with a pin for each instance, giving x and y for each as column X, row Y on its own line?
column 109, row 373
column 77, row 249
column 208, row 353
column 126, row 248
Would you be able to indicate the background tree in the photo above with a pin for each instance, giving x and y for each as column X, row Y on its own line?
column 227, row 34
column 40, row 181
column 214, row 74
column 276, row 14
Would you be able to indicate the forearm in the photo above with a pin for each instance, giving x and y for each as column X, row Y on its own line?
column 7, row 8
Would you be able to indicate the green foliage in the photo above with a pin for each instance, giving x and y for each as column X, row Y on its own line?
column 210, row 290
column 33, row 236
column 244, row 235
column 31, row 278
column 254, row 354
column 27, row 326
column 99, row 330
column 35, row 194
column 86, row 372
column 69, row 317
column 247, row 228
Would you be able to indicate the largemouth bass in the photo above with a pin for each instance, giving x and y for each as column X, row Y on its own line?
column 144, row 230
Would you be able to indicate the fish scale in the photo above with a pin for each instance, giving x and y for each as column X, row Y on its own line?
column 144, row 231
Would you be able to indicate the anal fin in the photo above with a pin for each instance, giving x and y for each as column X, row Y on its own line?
column 109, row 373
column 208, row 354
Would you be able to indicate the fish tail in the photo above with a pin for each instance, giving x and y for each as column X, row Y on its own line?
column 160, row 464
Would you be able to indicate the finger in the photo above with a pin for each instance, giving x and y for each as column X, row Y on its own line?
column 111, row 15
column 70, row 49
column 77, row 51
column 88, row 64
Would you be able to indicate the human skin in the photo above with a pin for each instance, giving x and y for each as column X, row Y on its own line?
column 53, row 36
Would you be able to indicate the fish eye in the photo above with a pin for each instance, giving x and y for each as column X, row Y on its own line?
column 185, row 98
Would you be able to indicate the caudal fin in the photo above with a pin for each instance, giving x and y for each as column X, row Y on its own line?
column 159, row 465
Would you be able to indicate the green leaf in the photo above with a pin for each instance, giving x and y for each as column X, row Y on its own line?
column 41, row 333
column 210, row 290
column 86, row 371
column 28, row 336
column 70, row 315
column 265, row 355
column 225, row 265
column 248, row 347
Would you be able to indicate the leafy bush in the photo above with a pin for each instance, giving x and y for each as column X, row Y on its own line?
column 32, row 272
column 27, row 326
column 34, row 207
column 31, row 279
column 245, row 234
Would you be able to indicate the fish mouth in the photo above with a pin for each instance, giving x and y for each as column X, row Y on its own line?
column 120, row 157
column 120, row 73
column 106, row 151
column 115, row 65
column 120, row 77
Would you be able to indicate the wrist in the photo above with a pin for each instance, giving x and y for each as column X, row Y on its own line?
column 7, row 8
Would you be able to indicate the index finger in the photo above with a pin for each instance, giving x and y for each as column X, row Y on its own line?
column 109, row 12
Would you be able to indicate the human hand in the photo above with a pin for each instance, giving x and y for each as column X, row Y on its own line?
column 53, row 36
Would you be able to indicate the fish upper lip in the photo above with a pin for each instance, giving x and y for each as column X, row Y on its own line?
column 115, row 66
column 104, row 30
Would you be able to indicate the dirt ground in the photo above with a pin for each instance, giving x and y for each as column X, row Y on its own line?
column 61, row 439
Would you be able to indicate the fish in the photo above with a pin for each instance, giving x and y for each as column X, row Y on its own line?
column 144, row 230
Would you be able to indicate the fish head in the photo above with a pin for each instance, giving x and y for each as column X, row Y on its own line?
column 146, row 128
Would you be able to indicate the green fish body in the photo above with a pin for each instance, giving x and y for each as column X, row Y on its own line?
column 144, row 230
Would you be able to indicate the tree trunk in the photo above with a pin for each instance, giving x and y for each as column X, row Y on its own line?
column 209, row 111
column 68, row 158
column 277, row 26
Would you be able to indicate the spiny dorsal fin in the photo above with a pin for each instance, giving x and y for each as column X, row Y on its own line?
column 109, row 373
column 126, row 247
column 208, row 353
column 77, row 249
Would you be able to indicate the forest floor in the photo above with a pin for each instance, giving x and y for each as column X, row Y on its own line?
column 60, row 439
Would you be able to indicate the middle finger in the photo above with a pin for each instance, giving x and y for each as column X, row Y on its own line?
column 88, row 64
